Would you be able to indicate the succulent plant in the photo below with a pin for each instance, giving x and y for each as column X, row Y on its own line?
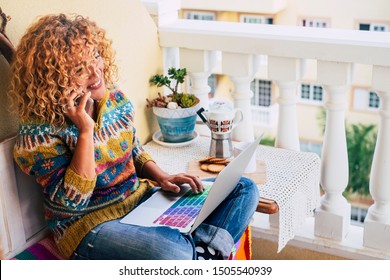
column 188, row 100
column 160, row 101
column 172, row 81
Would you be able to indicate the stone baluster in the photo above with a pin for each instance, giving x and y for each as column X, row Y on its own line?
column 377, row 222
column 332, row 218
column 199, row 64
column 242, row 96
column 200, row 87
column 286, row 72
column 287, row 136
column 241, row 69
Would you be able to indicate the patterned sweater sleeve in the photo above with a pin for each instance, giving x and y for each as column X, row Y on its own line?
column 47, row 158
column 139, row 154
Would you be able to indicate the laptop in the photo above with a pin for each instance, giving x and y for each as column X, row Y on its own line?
column 185, row 210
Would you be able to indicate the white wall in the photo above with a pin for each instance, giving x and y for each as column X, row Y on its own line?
column 134, row 36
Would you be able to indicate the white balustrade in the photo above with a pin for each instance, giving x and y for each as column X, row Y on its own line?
column 200, row 87
column 199, row 64
column 377, row 222
column 333, row 217
column 242, row 99
column 287, row 134
column 286, row 72
column 241, row 69
column 286, row 47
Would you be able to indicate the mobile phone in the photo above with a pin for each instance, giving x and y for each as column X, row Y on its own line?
column 77, row 100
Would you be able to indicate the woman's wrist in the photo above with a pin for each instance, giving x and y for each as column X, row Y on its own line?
column 83, row 161
column 153, row 172
column 86, row 133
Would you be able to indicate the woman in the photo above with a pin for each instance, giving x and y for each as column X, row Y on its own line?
column 77, row 136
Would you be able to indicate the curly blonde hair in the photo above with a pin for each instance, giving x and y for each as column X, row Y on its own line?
column 46, row 61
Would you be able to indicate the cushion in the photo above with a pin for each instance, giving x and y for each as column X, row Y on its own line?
column 242, row 250
column 45, row 249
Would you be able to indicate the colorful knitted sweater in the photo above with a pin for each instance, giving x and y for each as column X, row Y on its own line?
column 74, row 205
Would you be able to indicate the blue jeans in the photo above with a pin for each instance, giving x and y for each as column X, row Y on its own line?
column 221, row 230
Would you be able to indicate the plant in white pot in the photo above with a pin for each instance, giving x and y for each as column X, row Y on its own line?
column 175, row 112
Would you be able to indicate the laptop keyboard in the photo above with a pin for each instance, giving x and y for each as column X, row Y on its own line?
column 183, row 211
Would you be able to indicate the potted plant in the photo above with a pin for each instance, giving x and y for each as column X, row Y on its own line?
column 175, row 112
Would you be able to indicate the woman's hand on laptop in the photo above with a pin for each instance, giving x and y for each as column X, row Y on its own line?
column 170, row 182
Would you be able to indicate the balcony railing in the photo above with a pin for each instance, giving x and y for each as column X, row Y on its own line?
column 194, row 44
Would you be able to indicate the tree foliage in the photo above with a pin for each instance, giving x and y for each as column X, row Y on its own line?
column 361, row 141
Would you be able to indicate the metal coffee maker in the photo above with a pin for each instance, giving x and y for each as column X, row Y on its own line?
column 221, row 119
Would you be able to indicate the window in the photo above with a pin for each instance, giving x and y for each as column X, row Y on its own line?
column 381, row 27
column 264, row 113
column 256, row 19
column 311, row 93
column 196, row 15
column 313, row 22
column 262, row 92
column 364, row 99
column 305, row 92
column 358, row 215
column 317, row 93
column 374, row 100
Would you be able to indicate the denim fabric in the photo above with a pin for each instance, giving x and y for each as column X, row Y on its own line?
column 223, row 228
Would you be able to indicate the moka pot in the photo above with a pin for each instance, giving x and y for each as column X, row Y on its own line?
column 221, row 120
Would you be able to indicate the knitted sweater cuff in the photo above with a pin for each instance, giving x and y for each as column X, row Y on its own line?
column 143, row 158
column 83, row 185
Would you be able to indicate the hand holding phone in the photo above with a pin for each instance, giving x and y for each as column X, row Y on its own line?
column 80, row 110
column 77, row 99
